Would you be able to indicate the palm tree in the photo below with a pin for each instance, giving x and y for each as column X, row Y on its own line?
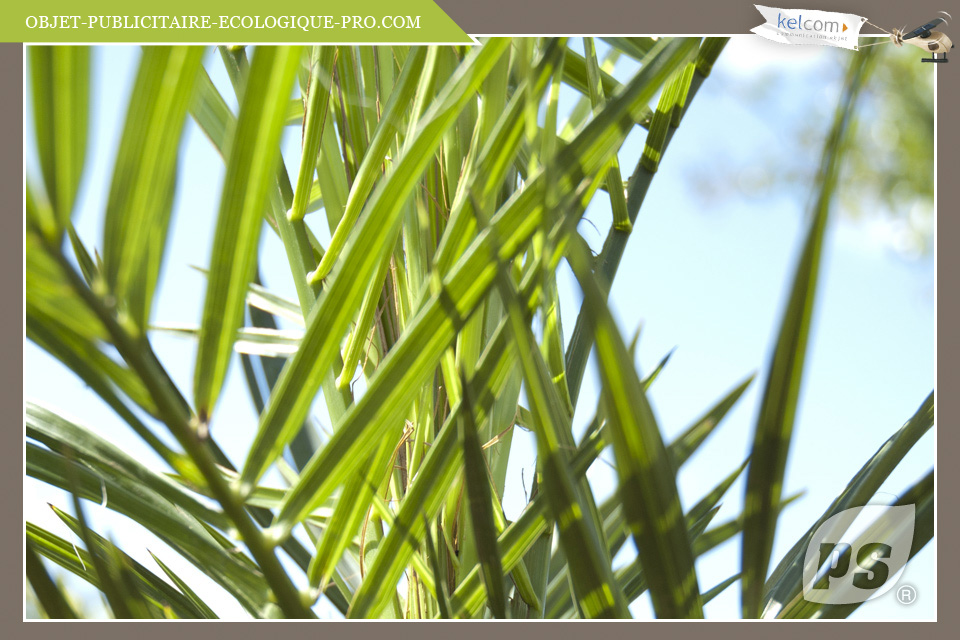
column 451, row 195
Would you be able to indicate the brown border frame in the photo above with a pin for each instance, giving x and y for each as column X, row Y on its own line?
column 522, row 17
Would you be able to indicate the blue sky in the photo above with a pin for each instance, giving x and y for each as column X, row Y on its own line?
column 707, row 279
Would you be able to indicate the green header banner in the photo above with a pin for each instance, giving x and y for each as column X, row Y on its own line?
column 238, row 22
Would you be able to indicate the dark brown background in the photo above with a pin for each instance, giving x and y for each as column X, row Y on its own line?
column 674, row 17
column 592, row 17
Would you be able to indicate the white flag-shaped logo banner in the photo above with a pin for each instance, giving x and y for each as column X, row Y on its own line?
column 802, row 26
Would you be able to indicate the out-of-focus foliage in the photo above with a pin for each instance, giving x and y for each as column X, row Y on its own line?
column 887, row 179
column 85, row 607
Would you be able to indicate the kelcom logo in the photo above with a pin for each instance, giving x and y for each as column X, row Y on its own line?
column 806, row 26
column 799, row 24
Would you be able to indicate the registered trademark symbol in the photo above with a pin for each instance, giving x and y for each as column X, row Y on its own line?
column 906, row 594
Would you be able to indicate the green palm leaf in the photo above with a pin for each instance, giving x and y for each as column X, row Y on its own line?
column 301, row 378
column 60, row 83
column 771, row 442
column 648, row 488
column 252, row 161
column 141, row 193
